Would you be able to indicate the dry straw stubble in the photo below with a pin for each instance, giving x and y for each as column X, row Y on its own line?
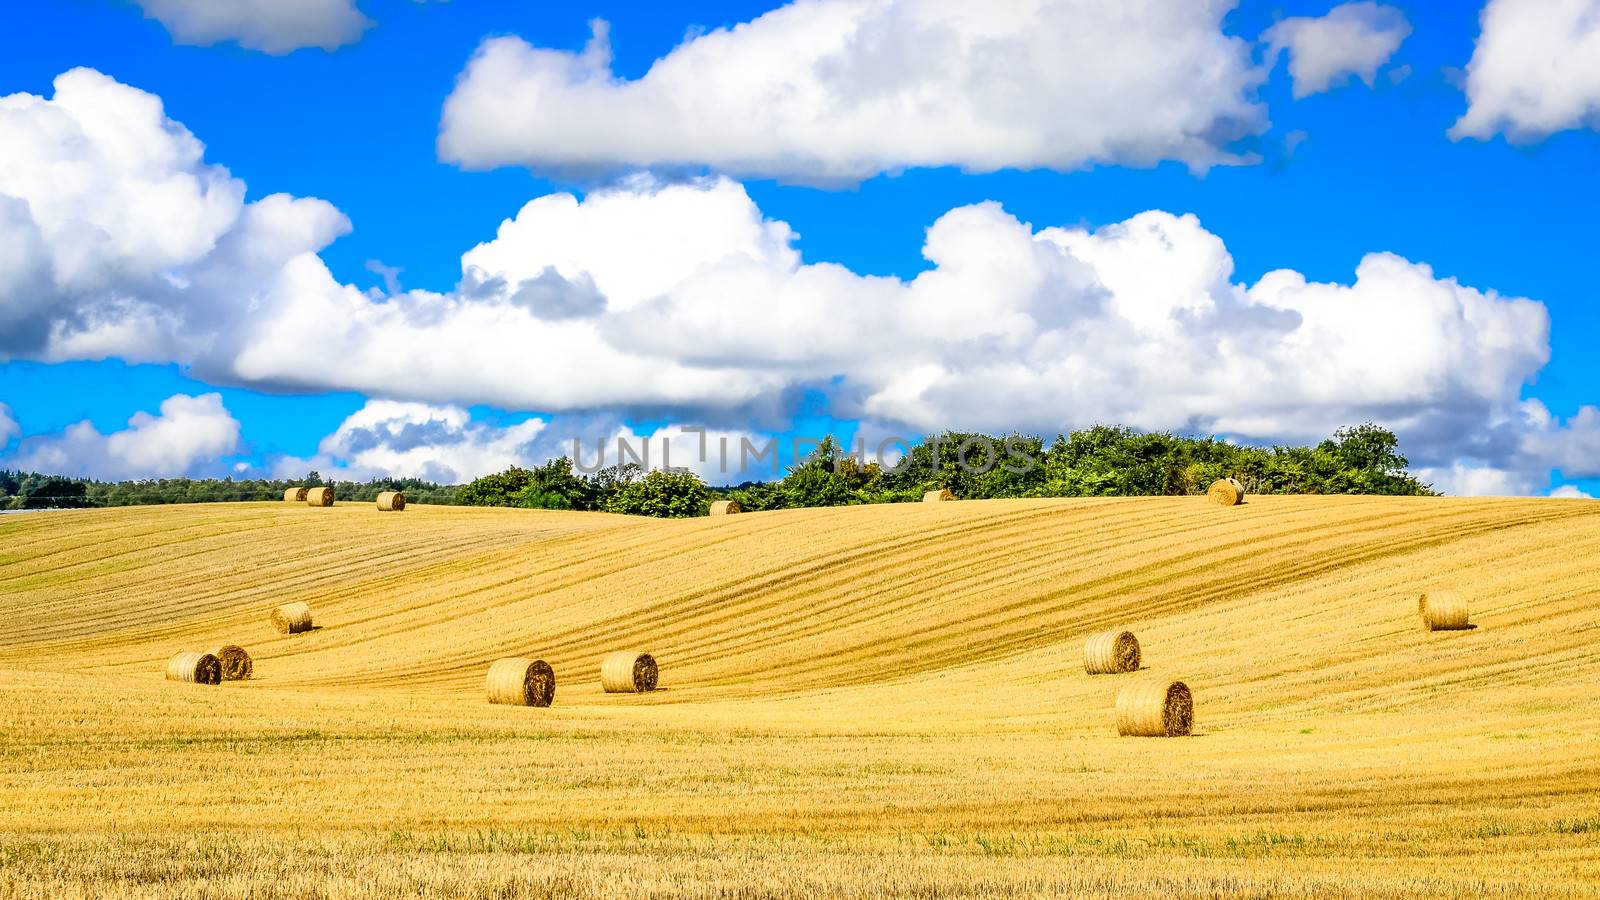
column 236, row 662
column 196, row 668
column 1111, row 652
column 292, row 618
column 1226, row 491
column 1155, row 709
column 295, row 495
column 391, row 501
column 520, row 681
column 627, row 672
column 320, row 496
column 1443, row 611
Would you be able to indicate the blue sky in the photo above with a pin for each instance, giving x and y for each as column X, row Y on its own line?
column 1330, row 177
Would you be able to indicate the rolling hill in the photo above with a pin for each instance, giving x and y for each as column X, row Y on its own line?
column 861, row 701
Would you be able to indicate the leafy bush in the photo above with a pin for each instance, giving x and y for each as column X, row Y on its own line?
column 667, row 495
column 498, row 489
column 550, row 486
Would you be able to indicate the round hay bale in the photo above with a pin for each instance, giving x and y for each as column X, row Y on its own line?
column 1226, row 491
column 391, row 501
column 292, row 618
column 295, row 495
column 1443, row 611
column 725, row 508
column 519, row 681
column 196, row 668
column 938, row 496
column 626, row 672
column 1111, row 652
column 1155, row 709
column 236, row 663
column 320, row 496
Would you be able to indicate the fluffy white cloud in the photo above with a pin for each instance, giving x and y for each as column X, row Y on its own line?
column 187, row 437
column 682, row 302
column 8, row 425
column 840, row 90
column 1534, row 70
column 719, row 457
column 1139, row 322
column 271, row 26
column 1472, row 480
column 1520, row 453
column 117, row 238
column 1570, row 492
column 445, row 444
column 415, row 440
column 1572, row 446
column 1353, row 39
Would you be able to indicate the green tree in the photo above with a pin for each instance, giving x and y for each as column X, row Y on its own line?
column 755, row 496
column 56, row 493
column 498, row 489
column 663, row 494
column 554, row 486
column 817, row 480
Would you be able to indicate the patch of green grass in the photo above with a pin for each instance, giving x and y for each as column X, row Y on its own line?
column 1265, row 843
column 1577, row 826
column 994, row 846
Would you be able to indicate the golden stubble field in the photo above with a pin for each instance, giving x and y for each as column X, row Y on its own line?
column 859, row 702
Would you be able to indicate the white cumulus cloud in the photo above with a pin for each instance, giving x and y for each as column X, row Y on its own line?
column 1476, row 480
column 718, row 456
column 1570, row 492
column 1572, row 446
column 1138, row 322
column 1353, row 39
column 416, row 440
column 840, row 90
column 8, row 425
column 118, row 239
column 1535, row 70
column 187, row 437
column 445, row 444
column 271, row 26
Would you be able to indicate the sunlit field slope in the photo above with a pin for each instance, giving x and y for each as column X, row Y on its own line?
column 867, row 701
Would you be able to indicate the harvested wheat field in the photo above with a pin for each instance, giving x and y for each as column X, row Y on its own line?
column 862, row 702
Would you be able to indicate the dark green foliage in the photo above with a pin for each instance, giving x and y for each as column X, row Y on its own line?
column 660, row 493
column 554, row 486
column 54, row 493
column 551, row 486
column 17, row 490
column 972, row 466
column 755, row 496
column 827, row 477
column 495, row 490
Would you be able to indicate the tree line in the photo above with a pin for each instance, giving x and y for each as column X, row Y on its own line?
column 1103, row 461
column 31, row 490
